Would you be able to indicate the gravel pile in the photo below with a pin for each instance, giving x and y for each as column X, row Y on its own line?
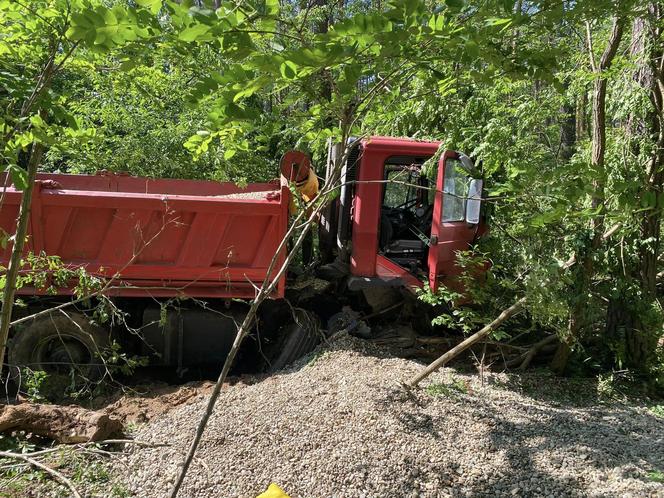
column 338, row 425
column 262, row 194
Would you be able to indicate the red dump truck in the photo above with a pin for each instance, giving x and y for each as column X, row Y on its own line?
column 180, row 256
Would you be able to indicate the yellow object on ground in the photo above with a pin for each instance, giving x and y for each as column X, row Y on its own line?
column 273, row 491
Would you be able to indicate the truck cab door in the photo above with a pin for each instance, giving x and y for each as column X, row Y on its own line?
column 456, row 218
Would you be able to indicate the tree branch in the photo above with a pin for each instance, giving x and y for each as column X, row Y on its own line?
column 57, row 475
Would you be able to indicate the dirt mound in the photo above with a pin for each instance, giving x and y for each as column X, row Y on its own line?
column 144, row 403
column 141, row 406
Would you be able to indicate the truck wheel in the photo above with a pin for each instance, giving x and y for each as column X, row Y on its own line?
column 295, row 340
column 58, row 343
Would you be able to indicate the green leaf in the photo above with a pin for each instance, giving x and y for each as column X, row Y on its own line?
column 249, row 89
column 288, row 70
column 649, row 200
column 472, row 49
column 437, row 22
column 128, row 64
column 496, row 21
column 4, row 240
column 109, row 18
column 194, row 32
column 19, row 176
column 455, row 4
column 272, row 7
column 229, row 153
column 153, row 5
column 78, row 19
column 37, row 121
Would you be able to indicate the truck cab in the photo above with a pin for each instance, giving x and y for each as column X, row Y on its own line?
column 404, row 211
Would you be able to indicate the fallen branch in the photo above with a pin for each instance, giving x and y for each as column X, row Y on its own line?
column 65, row 424
column 57, row 475
column 143, row 444
column 456, row 350
column 524, row 359
column 137, row 442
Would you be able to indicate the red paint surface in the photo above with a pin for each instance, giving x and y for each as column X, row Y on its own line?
column 369, row 196
column 162, row 237
column 451, row 236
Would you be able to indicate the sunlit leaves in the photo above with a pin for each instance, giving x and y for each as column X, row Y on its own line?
column 38, row 41
column 18, row 175
column 153, row 5
column 497, row 21
column 363, row 24
column 103, row 28
column 437, row 22
column 288, row 70
column 194, row 32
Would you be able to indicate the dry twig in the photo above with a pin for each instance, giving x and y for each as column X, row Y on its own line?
column 57, row 475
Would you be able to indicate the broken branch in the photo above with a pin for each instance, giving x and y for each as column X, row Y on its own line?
column 461, row 347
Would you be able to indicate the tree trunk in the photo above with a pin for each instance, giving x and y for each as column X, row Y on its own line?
column 585, row 269
column 65, row 424
column 17, row 251
column 641, row 334
column 652, row 218
column 629, row 325
column 581, row 118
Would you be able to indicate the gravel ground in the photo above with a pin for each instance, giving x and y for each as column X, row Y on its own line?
column 338, row 425
column 246, row 195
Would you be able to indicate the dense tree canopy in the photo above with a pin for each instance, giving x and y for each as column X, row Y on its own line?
column 559, row 103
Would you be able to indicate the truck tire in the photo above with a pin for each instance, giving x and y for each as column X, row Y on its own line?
column 296, row 339
column 55, row 343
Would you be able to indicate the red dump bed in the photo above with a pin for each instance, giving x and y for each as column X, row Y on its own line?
column 163, row 237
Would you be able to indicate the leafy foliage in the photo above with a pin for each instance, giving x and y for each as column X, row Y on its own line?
column 220, row 89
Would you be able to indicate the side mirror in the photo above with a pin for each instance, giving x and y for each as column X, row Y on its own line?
column 474, row 202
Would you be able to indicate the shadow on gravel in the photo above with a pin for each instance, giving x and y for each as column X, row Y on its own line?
column 543, row 385
column 567, row 439
column 528, row 448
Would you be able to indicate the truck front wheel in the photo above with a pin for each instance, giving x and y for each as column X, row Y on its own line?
column 295, row 339
column 58, row 343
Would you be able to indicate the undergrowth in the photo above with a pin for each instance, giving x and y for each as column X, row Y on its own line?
column 448, row 389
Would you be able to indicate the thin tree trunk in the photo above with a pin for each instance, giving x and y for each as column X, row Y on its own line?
column 630, row 327
column 652, row 218
column 581, row 118
column 638, row 333
column 585, row 269
column 263, row 292
column 22, row 223
column 568, row 128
